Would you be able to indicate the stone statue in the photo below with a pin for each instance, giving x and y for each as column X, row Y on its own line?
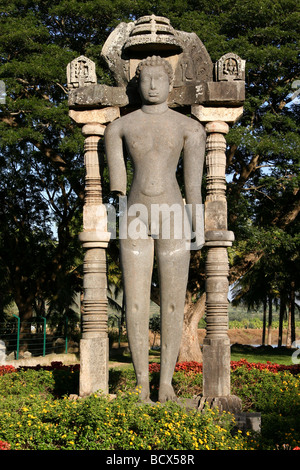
column 154, row 137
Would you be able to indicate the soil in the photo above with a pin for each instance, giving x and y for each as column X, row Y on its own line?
column 248, row 336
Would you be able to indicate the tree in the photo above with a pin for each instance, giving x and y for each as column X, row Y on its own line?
column 273, row 279
column 40, row 162
column 38, row 39
column 262, row 147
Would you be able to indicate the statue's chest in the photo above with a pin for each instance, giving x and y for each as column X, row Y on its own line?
column 158, row 137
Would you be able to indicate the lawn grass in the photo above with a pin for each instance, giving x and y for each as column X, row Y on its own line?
column 261, row 354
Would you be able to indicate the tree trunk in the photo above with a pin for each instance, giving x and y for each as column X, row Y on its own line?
column 291, row 333
column 281, row 318
column 263, row 341
column 25, row 313
column 269, row 338
column 190, row 348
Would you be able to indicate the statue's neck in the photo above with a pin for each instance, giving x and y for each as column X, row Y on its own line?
column 155, row 108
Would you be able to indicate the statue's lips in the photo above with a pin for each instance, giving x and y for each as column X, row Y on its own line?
column 152, row 95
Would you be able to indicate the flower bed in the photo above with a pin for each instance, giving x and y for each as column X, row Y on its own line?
column 187, row 367
column 196, row 367
column 36, row 412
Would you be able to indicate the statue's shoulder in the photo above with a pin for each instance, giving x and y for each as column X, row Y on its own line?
column 187, row 123
column 120, row 124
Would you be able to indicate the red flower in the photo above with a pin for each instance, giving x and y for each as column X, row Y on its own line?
column 4, row 445
column 197, row 368
column 7, row 370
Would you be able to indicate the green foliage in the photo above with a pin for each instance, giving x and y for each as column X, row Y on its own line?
column 34, row 416
column 41, row 149
column 33, row 421
column 276, row 396
column 154, row 323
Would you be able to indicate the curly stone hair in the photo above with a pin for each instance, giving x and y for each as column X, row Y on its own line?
column 155, row 60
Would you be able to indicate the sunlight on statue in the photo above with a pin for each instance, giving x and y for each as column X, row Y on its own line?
column 154, row 137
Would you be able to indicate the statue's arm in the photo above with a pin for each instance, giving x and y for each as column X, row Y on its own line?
column 193, row 160
column 113, row 140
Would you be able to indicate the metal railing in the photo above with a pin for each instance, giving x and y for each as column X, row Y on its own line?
column 32, row 337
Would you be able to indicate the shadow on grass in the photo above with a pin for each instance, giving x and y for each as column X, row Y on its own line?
column 281, row 355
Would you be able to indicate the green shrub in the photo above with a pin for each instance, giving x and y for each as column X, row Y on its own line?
column 36, row 415
column 121, row 424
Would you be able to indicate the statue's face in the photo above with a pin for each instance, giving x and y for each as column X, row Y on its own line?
column 154, row 84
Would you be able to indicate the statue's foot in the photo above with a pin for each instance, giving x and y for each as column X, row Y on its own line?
column 166, row 392
column 144, row 392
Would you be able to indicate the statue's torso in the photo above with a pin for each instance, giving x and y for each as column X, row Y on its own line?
column 154, row 143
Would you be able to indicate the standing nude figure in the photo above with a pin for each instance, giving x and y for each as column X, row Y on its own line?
column 154, row 137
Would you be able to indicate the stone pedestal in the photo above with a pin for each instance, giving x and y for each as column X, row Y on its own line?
column 93, row 365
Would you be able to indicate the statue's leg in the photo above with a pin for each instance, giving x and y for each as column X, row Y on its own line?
column 137, row 266
column 173, row 264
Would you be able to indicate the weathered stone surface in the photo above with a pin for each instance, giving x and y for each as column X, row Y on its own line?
column 152, row 33
column 216, row 367
column 225, row 93
column 228, row 403
column 206, row 93
column 93, row 366
column 100, row 116
column 194, row 64
column 81, row 72
column 230, row 67
column 98, row 95
column 215, row 213
column 154, row 137
column 94, row 239
column 193, row 85
column 94, row 218
column 112, row 52
column 206, row 114
column 220, row 235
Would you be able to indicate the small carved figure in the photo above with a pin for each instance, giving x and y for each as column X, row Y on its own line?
column 154, row 137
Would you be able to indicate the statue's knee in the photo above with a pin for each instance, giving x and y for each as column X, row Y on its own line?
column 171, row 308
column 133, row 308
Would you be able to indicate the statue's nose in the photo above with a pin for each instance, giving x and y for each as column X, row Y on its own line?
column 153, row 83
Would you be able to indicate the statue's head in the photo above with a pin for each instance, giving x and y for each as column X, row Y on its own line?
column 155, row 78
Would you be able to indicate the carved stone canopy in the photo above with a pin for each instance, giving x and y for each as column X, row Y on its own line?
column 131, row 42
column 152, row 31
column 196, row 79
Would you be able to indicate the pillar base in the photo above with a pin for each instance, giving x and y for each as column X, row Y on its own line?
column 231, row 404
column 94, row 355
column 216, row 367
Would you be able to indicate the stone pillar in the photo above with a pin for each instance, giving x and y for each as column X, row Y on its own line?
column 94, row 347
column 216, row 347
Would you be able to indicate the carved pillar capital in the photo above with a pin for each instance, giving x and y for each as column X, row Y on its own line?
column 218, row 127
